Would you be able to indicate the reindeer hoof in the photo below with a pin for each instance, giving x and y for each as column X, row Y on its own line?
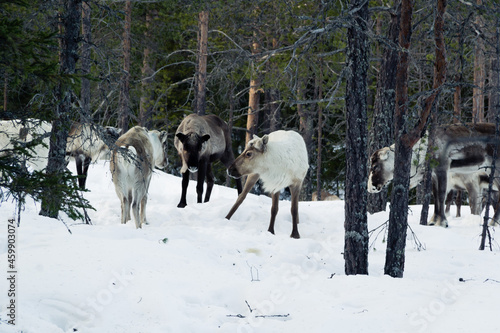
column 181, row 205
column 295, row 235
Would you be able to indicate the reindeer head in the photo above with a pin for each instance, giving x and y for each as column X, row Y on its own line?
column 250, row 160
column 382, row 169
column 193, row 146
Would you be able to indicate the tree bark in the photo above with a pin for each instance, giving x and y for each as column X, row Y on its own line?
column 306, row 128
column 479, row 72
column 494, row 96
column 355, row 225
column 145, row 103
column 405, row 139
column 201, row 102
column 253, row 98
column 396, row 240
column 319, row 96
column 5, row 90
column 86, row 61
column 382, row 129
column 56, row 165
column 124, row 111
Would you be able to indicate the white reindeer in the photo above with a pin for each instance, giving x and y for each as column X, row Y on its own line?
column 280, row 160
column 26, row 132
column 131, row 169
column 84, row 143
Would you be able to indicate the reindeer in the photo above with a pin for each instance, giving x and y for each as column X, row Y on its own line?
column 132, row 168
column 476, row 184
column 460, row 149
column 30, row 131
column 325, row 196
column 201, row 140
column 279, row 159
column 85, row 144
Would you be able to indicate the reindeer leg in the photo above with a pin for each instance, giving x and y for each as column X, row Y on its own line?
column 185, row 183
column 496, row 216
column 227, row 160
column 251, row 180
column 135, row 210
column 79, row 171
column 125, row 209
column 449, row 200
column 295, row 190
column 210, row 182
column 435, row 195
column 439, row 217
column 238, row 185
column 83, row 179
column 274, row 211
column 128, row 202
column 142, row 212
column 202, row 169
column 458, row 202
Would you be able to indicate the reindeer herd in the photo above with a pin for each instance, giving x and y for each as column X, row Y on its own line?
column 278, row 159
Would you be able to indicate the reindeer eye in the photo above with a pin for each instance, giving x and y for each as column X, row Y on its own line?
column 248, row 154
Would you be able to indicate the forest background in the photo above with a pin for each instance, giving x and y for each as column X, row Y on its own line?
column 259, row 65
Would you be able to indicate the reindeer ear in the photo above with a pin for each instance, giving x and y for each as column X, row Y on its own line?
column 181, row 137
column 265, row 138
column 113, row 132
column 163, row 136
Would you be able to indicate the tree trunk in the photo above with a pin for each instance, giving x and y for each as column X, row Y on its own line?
column 495, row 114
column 382, row 129
column 201, row 78
column 253, row 98
column 5, row 89
column 145, row 103
column 494, row 96
column 396, row 240
column 124, row 111
column 319, row 96
column 398, row 216
column 230, row 120
column 86, row 61
column 479, row 72
column 56, row 165
column 306, row 128
column 356, row 229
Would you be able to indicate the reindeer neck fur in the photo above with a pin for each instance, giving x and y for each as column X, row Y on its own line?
column 158, row 152
column 281, row 146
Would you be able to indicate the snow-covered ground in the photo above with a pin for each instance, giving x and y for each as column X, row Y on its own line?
column 191, row 270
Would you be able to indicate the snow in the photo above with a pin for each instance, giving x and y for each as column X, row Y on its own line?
column 191, row 270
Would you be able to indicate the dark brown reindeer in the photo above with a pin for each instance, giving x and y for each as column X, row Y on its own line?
column 279, row 159
column 200, row 141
